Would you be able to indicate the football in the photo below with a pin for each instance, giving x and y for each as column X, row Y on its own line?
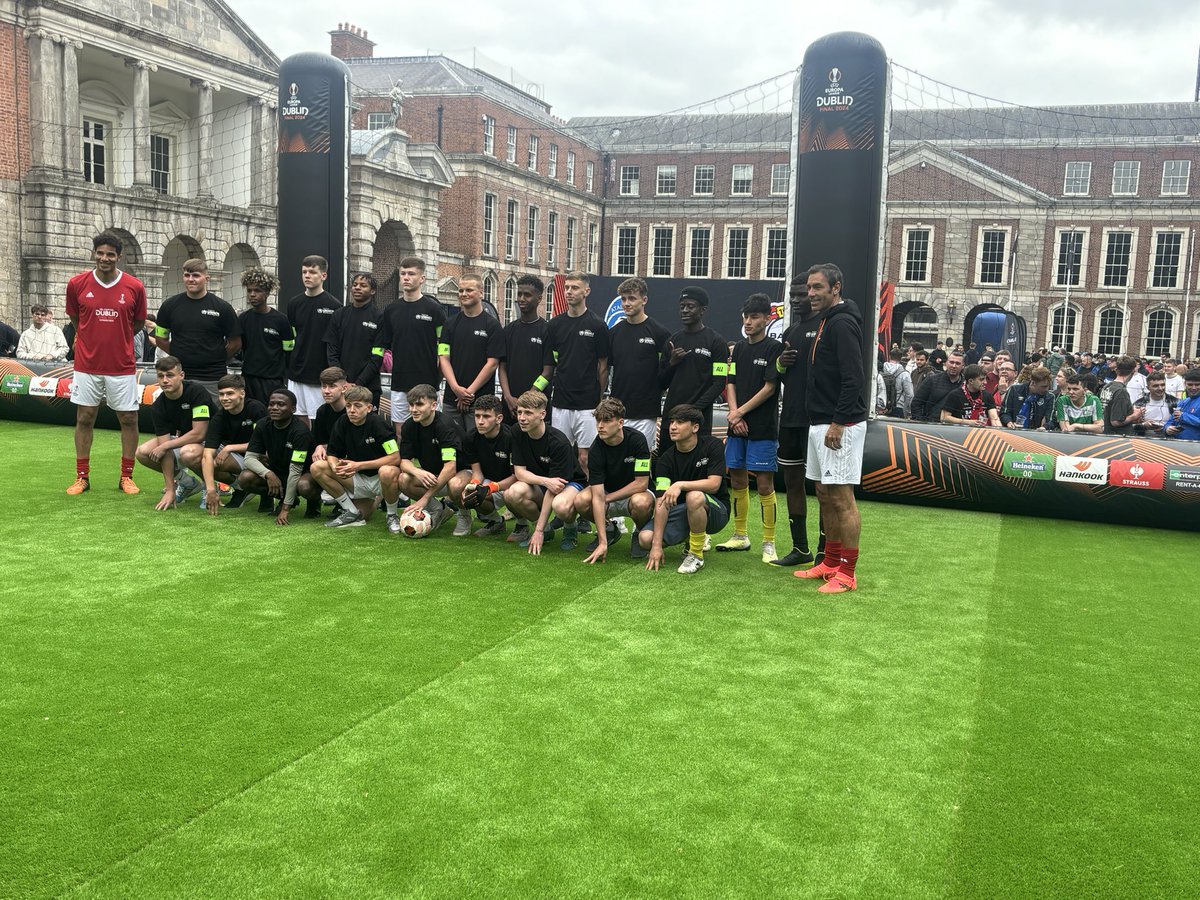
column 415, row 523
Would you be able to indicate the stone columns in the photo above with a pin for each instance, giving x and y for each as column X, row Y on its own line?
column 262, row 151
column 204, row 138
column 72, row 122
column 45, row 110
column 141, row 120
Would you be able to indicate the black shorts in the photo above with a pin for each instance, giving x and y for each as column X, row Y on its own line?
column 793, row 444
column 260, row 389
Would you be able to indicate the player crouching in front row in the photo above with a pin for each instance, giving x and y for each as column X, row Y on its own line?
column 431, row 446
column 689, row 479
column 181, row 413
column 275, row 456
column 361, row 462
column 488, row 450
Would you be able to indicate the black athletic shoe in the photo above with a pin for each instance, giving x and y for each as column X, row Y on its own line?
column 610, row 530
column 266, row 504
column 236, row 499
column 313, row 509
column 793, row 559
column 637, row 551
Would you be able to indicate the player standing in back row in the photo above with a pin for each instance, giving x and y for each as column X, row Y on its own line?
column 637, row 344
column 578, row 342
column 310, row 314
column 695, row 365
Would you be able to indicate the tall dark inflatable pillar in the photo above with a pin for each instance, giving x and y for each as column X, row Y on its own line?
column 314, row 168
column 841, row 156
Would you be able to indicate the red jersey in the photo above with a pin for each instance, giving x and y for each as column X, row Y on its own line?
column 104, row 336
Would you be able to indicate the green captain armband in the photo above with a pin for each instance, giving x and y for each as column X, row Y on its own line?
column 289, row 346
column 299, row 456
column 540, row 383
column 780, row 367
column 449, row 454
column 556, row 357
column 732, row 369
column 161, row 332
column 720, row 370
column 438, row 331
column 642, row 466
column 200, row 412
column 661, row 484
column 377, row 351
column 443, row 349
column 390, row 446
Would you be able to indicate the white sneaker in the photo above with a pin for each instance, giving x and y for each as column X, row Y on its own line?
column 737, row 542
column 621, row 527
column 462, row 523
column 707, row 544
column 691, row 564
column 393, row 523
column 347, row 520
column 769, row 554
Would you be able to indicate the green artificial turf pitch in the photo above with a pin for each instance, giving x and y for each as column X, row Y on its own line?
column 194, row 707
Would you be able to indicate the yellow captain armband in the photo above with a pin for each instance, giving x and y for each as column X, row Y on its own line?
column 661, row 484
column 390, row 446
column 720, row 369
column 540, row 383
column 443, row 349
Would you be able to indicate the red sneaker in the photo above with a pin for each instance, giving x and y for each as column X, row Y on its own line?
column 838, row 584
column 818, row 571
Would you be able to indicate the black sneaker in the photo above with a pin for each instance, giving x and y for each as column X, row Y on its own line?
column 313, row 509
column 637, row 551
column 793, row 559
column 610, row 531
column 236, row 499
column 266, row 504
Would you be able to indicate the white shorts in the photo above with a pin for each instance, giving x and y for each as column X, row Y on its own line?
column 619, row 509
column 308, row 398
column 121, row 393
column 648, row 429
column 579, row 425
column 841, row 466
column 366, row 486
column 400, row 411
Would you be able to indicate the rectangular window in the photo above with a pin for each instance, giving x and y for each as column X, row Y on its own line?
column 916, row 255
column 511, row 150
column 510, row 231
column 531, row 160
column 1160, row 332
column 631, row 181
column 626, row 255
column 531, row 235
column 1167, row 247
column 380, row 121
column 703, row 179
column 593, row 245
column 663, row 262
column 1176, row 173
column 737, row 252
column 1070, row 258
column 551, row 238
column 489, row 135
column 700, row 253
column 775, row 255
column 743, row 180
column 992, row 245
column 666, row 181
column 160, row 163
column 553, row 161
column 1118, row 250
column 489, row 224
column 589, row 176
column 95, row 153
column 780, row 173
column 570, row 167
column 570, row 243
column 1077, row 181
column 1125, row 177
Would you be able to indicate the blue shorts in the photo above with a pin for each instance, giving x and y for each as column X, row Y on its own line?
column 677, row 530
column 753, row 456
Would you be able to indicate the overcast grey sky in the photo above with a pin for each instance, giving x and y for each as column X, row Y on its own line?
column 641, row 58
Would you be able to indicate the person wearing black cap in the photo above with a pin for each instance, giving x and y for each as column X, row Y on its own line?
column 695, row 365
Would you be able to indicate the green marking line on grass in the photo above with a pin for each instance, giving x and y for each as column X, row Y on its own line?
column 332, row 739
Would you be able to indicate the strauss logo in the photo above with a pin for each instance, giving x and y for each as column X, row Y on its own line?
column 1137, row 471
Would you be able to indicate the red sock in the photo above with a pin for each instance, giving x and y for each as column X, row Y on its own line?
column 83, row 466
column 833, row 553
column 126, row 466
column 849, row 561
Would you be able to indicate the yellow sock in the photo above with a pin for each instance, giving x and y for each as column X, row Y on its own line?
column 768, row 516
column 696, row 543
column 741, row 508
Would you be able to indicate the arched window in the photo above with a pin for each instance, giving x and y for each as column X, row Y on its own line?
column 510, row 300
column 1062, row 329
column 489, row 289
column 1110, row 332
column 1160, row 331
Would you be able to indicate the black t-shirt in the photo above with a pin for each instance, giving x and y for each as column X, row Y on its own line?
column 577, row 344
column 962, row 404
column 635, row 355
column 372, row 439
column 751, row 367
column 699, row 377
column 494, row 455
column 199, row 330
column 1114, row 398
column 310, row 317
column 353, row 332
column 794, row 378
column 706, row 458
column 226, row 428
column 470, row 341
column 432, row 446
column 550, row 456
column 615, row 467
column 176, row 416
column 526, row 353
column 410, row 329
column 267, row 339
column 281, row 446
column 323, row 423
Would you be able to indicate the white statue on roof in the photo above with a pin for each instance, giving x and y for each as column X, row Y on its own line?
column 397, row 96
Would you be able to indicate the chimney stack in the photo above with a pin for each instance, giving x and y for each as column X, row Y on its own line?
column 350, row 42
